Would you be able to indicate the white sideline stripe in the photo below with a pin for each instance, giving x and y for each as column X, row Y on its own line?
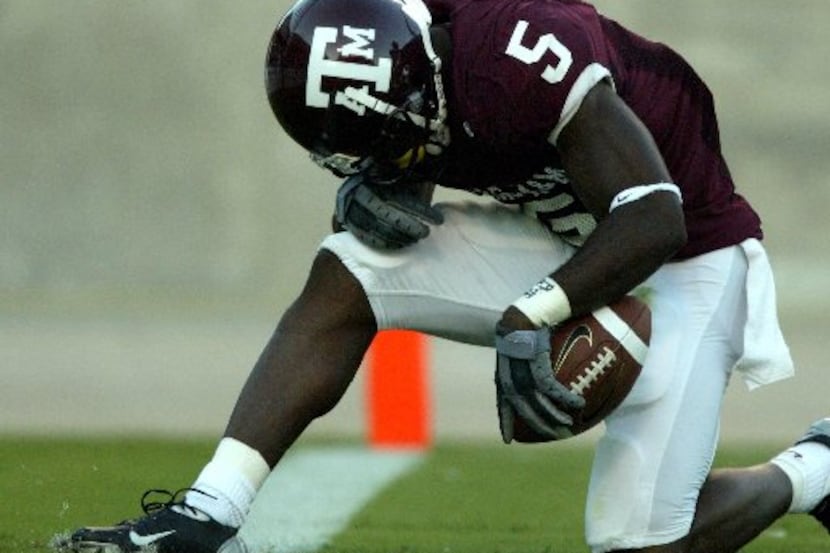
column 620, row 330
column 313, row 494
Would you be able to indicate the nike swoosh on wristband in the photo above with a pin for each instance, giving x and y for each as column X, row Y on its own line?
column 141, row 541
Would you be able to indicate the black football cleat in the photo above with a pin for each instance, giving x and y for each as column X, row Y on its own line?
column 819, row 432
column 171, row 526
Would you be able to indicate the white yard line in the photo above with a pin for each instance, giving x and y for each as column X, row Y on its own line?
column 313, row 494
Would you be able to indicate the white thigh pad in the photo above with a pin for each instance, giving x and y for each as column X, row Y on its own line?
column 456, row 282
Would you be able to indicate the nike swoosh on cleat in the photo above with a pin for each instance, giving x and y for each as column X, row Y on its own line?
column 141, row 541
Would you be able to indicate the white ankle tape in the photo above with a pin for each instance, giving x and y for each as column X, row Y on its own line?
column 233, row 454
column 231, row 480
column 808, row 467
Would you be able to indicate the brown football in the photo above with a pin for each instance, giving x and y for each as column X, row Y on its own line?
column 598, row 356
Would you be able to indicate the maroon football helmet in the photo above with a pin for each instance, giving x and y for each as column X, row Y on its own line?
column 357, row 81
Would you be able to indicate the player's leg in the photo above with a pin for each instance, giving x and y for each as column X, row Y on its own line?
column 454, row 284
column 736, row 505
column 303, row 371
column 307, row 364
column 659, row 444
column 733, row 505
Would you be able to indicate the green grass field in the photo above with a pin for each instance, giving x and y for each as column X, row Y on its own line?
column 467, row 498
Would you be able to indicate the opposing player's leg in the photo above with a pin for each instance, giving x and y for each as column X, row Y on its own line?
column 303, row 371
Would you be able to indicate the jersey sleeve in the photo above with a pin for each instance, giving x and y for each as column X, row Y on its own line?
column 559, row 54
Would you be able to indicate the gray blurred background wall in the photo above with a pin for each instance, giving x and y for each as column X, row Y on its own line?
column 154, row 220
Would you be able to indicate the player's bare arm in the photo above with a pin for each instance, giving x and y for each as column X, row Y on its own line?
column 606, row 150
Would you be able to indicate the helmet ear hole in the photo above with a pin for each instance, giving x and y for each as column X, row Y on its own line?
column 356, row 78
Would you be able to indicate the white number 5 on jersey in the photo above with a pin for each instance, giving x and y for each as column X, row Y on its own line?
column 547, row 42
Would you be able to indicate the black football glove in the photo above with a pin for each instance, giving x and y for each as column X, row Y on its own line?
column 527, row 388
column 387, row 217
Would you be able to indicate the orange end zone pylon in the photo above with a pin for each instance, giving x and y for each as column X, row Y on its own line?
column 398, row 402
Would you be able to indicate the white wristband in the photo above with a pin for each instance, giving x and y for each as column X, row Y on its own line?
column 545, row 303
column 639, row 192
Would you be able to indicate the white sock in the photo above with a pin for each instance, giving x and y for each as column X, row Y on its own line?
column 808, row 467
column 231, row 480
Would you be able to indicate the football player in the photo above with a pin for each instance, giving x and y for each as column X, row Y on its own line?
column 601, row 150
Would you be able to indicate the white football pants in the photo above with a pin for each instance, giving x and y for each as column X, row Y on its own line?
column 659, row 444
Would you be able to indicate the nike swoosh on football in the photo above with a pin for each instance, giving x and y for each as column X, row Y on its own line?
column 141, row 541
column 579, row 333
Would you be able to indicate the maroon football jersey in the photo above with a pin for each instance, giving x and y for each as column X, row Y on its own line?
column 519, row 70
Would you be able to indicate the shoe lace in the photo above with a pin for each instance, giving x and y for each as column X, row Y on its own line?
column 150, row 504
